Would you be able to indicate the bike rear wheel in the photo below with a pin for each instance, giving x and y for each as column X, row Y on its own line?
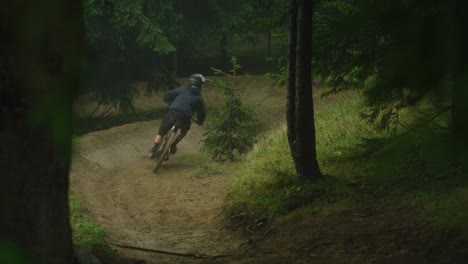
column 165, row 147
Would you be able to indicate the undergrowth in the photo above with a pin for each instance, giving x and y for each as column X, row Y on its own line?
column 267, row 185
column 417, row 169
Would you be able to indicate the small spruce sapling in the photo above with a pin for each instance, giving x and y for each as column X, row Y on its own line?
column 233, row 129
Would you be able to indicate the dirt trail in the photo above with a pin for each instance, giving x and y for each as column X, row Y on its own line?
column 178, row 209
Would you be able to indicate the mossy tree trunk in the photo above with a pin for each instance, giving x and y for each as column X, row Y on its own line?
column 300, row 107
column 40, row 53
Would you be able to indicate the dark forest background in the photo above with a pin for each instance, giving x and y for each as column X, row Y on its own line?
column 407, row 58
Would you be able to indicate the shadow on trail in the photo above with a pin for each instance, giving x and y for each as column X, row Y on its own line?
column 88, row 124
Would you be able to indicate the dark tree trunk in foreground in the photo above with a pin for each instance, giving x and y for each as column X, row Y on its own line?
column 460, row 90
column 300, row 107
column 40, row 52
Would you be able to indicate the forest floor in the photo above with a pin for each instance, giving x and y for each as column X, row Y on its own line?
column 176, row 215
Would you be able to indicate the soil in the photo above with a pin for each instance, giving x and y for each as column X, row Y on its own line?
column 178, row 209
column 176, row 215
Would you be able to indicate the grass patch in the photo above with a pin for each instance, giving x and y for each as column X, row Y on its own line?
column 267, row 185
column 317, row 210
column 267, row 182
column 85, row 233
column 446, row 209
column 418, row 170
column 193, row 158
column 422, row 170
column 339, row 133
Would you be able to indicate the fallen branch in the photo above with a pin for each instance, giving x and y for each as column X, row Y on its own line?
column 94, row 111
column 186, row 255
column 104, row 114
column 251, row 244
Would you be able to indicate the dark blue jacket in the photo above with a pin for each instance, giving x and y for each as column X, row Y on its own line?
column 188, row 100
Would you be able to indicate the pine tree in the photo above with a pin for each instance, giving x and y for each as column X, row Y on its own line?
column 233, row 129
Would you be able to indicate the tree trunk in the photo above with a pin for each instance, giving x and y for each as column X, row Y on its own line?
column 40, row 54
column 300, row 112
column 291, row 82
column 223, row 54
column 269, row 43
column 460, row 90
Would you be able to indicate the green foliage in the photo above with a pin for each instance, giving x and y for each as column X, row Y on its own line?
column 264, row 17
column 339, row 129
column 154, row 39
column 419, row 169
column 281, row 76
column 233, row 129
column 266, row 170
column 128, row 41
column 446, row 209
column 267, row 165
column 85, row 233
column 123, row 23
column 369, row 45
column 205, row 20
column 267, row 183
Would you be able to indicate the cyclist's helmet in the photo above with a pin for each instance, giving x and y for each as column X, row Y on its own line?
column 197, row 80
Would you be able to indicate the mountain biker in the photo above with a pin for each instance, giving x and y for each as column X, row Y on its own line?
column 183, row 102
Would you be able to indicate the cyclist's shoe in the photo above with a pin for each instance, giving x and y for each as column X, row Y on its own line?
column 173, row 149
column 153, row 151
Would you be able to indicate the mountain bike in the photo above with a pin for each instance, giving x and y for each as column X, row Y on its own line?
column 163, row 152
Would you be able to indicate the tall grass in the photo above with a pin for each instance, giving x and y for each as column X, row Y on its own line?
column 267, row 182
column 339, row 133
column 419, row 169
column 265, row 177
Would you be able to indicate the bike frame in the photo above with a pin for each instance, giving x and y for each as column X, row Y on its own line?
column 163, row 152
